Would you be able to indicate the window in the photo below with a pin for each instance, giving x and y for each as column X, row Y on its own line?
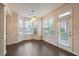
column 63, row 32
column 48, row 26
column 51, row 26
column 28, row 28
column 45, row 27
column 36, row 23
column 20, row 25
column 64, row 28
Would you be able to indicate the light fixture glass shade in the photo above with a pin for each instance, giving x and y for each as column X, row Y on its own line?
column 33, row 18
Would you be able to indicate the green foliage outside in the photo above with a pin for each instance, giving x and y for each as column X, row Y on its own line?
column 50, row 29
column 63, row 34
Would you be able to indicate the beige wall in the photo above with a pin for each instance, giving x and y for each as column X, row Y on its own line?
column 8, row 30
column 76, row 29
column 12, row 28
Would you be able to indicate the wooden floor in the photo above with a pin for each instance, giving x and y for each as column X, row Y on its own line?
column 35, row 48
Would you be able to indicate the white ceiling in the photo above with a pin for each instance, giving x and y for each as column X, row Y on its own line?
column 40, row 9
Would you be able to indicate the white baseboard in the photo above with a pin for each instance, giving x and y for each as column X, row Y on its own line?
column 5, row 52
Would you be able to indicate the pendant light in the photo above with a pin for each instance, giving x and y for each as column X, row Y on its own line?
column 33, row 18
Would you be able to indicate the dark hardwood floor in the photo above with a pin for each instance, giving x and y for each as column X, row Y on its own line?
column 35, row 48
